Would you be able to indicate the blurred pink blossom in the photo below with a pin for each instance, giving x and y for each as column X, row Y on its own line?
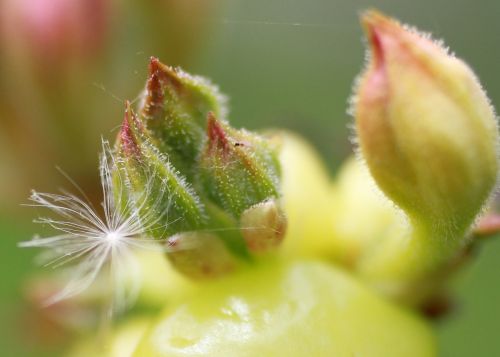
column 53, row 30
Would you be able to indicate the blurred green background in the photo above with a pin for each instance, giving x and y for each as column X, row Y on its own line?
column 284, row 63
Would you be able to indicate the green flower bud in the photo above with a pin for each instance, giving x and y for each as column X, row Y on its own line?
column 426, row 128
column 174, row 108
column 237, row 169
column 162, row 197
column 218, row 187
column 429, row 137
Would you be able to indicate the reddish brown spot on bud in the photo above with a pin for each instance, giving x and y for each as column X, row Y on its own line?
column 438, row 307
column 154, row 64
column 391, row 42
column 153, row 106
column 166, row 74
column 375, row 42
column 217, row 138
column 172, row 243
column 127, row 136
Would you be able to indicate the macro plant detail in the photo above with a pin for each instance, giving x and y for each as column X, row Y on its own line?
column 429, row 138
column 90, row 244
column 204, row 165
column 267, row 255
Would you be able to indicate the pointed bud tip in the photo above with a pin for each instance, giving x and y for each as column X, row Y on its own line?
column 154, row 64
column 240, row 165
column 410, row 76
column 374, row 19
column 386, row 34
column 375, row 25
column 127, row 139
column 217, row 137
column 153, row 105
column 162, row 71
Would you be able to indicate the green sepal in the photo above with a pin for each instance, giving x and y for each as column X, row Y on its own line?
column 160, row 193
column 174, row 110
column 237, row 169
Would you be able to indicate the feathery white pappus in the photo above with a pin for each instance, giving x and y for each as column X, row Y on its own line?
column 90, row 246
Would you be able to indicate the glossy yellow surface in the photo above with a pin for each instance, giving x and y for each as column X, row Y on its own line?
column 286, row 309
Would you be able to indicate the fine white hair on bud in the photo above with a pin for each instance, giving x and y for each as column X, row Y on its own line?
column 92, row 247
column 429, row 137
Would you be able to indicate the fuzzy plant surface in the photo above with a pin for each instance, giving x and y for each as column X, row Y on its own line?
column 218, row 241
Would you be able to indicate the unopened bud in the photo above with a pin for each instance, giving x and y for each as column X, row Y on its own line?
column 160, row 195
column 263, row 226
column 200, row 255
column 425, row 126
column 174, row 110
column 184, row 175
column 429, row 137
column 237, row 169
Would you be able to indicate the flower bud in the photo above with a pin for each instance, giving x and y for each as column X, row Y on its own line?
column 425, row 127
column 183, row 181
column 174, row 108
column 200, row 255
column 429, row 138
column 263, row 226
column 237, row 169
column 159, row 195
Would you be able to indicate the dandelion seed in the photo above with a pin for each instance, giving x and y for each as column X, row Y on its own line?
column 89, row 245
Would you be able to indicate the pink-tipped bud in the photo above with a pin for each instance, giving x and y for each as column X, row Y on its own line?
column 425, row 126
